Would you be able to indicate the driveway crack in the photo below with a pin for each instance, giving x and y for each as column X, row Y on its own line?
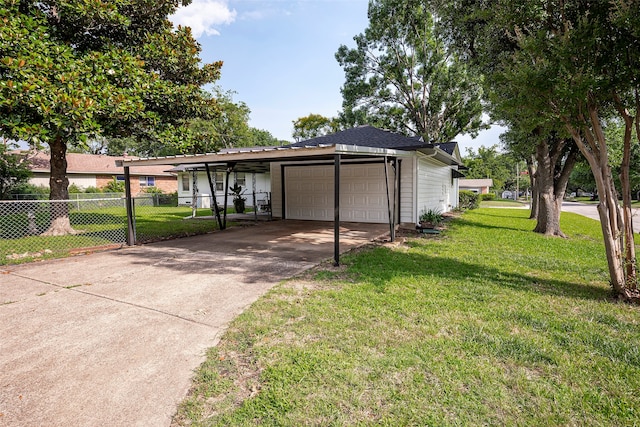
column 119, row 301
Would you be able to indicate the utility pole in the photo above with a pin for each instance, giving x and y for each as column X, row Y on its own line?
column 517, row 180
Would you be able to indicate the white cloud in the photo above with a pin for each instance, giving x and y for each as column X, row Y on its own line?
column 203, row 16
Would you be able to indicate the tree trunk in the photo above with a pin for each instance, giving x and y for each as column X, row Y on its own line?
column 59, row 190
column 551, row 178
column 625, row 182
column 534, row 187
column 594, row 149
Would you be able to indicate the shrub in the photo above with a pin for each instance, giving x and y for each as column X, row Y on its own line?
column 114, row 186
column 153, row 190
column 488, row 196
column 432, row 216
column 92, row 190
column 73, row 189
column 469, row 199
column 30, row 191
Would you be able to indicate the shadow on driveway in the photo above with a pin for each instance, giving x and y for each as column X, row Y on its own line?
column 113, row 338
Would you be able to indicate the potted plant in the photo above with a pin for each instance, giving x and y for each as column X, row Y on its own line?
column 238, row 200
column 430, row 218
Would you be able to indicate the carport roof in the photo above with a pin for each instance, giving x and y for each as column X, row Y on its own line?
column 360, row 142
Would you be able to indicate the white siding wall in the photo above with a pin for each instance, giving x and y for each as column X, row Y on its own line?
column 407, row 190
column 276, row 190
column 263, row 185
column 435, row 189
column 454, row 197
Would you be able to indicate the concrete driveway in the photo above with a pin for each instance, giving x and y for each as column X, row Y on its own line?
column 112, row 339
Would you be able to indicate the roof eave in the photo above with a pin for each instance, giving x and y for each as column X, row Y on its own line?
column 440, row 155
column 268, row 154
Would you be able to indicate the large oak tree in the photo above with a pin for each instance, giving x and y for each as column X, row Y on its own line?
column 573, row 62
column 71, row 70
column 401, row 77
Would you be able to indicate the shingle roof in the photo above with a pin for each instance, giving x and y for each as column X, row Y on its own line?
column 486, row 182
column 366, row 136
column 97, row 164
column 448, row 147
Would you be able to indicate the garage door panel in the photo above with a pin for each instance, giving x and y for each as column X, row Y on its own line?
column 362, row 193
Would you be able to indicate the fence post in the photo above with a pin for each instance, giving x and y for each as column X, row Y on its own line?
column 131, row 230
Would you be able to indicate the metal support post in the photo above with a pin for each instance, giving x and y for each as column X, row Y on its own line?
column 131, row 228
column 336, row 211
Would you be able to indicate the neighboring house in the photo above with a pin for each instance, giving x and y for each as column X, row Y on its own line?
column 383, row 177
column 91, row 170
column 478, row 186
column 193, row 180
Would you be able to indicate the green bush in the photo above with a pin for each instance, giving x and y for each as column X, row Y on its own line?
column 152, row 190
column 469, row 200
column 432, row 216
column 488, row 197
column 39, row 192
column 92, row 189
column 114, row 186
column 73, row 189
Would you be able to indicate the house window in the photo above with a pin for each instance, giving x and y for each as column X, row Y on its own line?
column 185, row 182
column 240, row 179
column 147, row 181
column 219, row 182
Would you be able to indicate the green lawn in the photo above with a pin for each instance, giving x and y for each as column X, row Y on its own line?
column 502, row 203
column 488, row 324
column 96, row 228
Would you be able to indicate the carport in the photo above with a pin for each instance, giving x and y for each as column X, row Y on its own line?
column 257, row 159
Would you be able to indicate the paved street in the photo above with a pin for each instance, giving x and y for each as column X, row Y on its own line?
column 591, row 211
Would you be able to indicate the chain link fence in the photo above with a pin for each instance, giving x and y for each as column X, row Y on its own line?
column 40, row 229
column 29, row 228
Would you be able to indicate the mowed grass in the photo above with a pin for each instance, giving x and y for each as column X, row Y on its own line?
column 488, row 324
column 97, row 228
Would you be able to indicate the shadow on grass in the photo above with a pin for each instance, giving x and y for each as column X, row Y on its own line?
column 469, row 277
column 475, row 224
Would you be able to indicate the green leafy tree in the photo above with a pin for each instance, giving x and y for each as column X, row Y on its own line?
column 14, row 172
column 550, row 160
column 313, row 126
column 73, row 70
column 574, row 63
column 401, row 77
column 488, row 162
column 263, row 138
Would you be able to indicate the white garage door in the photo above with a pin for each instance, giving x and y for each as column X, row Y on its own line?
column 309, row 193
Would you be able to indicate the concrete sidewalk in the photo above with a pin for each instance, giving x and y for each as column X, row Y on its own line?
column 112, row 339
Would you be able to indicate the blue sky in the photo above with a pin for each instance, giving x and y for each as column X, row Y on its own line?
column 279, row 56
